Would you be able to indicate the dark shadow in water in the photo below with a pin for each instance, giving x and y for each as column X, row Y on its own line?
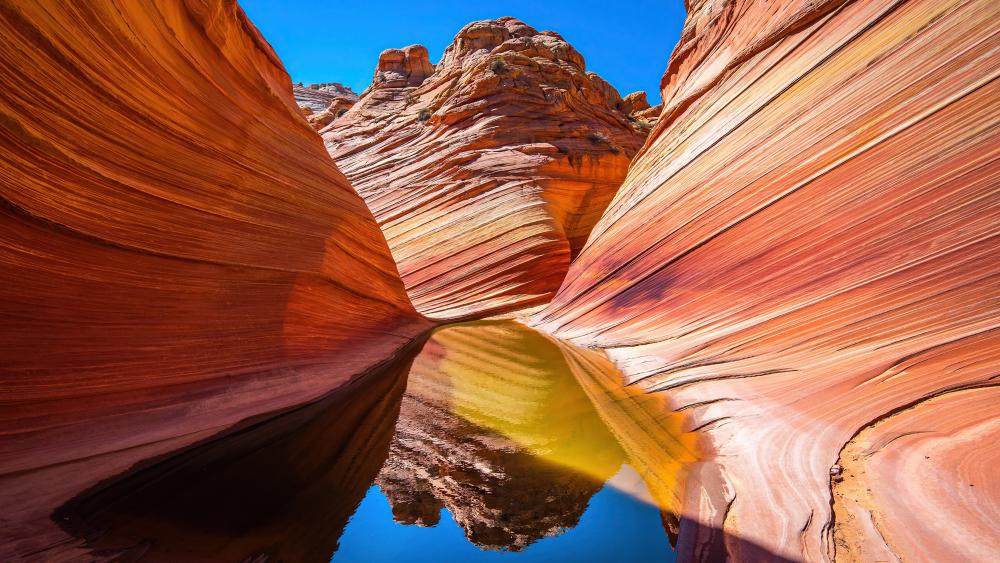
column 282, row 489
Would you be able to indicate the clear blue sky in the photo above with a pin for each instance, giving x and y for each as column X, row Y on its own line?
column 628, row 43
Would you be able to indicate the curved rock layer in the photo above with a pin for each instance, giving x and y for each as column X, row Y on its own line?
column 808, row 243
column 171, row 230
column 488, row 170
column 318, row 97
column 322, row 103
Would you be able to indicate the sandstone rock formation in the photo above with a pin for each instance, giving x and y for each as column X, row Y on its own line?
column 319, row 97
column 171, row 231
column 805, row 255
column 486, row 171
column 322, row 103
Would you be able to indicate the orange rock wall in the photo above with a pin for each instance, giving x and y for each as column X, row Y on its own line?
column 487, row 171
column 808, row 243
column 177, row 250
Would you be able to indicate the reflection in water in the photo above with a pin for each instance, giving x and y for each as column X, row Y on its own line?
column 494, row 428
column 505, row 432
column 282, row 489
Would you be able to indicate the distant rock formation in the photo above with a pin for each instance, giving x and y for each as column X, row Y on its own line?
column 805, row 255
column 487, row 171
column 399, row 68
column 322, row 103
column 318, row 97
column 178, row 252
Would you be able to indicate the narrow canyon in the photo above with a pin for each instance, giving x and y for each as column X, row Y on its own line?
column 494, row 305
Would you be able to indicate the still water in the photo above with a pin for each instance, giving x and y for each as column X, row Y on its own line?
column 493, row 443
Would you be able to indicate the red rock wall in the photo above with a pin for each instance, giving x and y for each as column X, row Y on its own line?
column 487, row 172
column 177, row 250
column 806, row 245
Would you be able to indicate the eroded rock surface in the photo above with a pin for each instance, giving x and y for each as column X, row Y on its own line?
column 319, row 97
column 488, row 170
column 177, row 250
column 322, row 103
column 806, row 245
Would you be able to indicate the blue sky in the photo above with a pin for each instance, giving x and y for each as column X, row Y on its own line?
column 628, row 43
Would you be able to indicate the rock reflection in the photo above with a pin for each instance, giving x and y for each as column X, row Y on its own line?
column 509, row 430
column 281, row 490
column 499, row 426
column 494, row 428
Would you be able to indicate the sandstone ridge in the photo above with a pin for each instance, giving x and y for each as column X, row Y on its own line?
column 487, row 170
column 804, row 256
column 171, row 233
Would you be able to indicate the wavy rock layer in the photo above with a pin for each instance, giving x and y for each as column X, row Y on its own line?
column 487, row 171
column 171, row 230
column 806, row 245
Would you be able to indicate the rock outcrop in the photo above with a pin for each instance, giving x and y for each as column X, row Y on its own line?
column 488, row 170
column 805, row 255
column 319, row 97
column 177, row 250
column 322, row 103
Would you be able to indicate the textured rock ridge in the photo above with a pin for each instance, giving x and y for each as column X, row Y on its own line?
column 322, row 103
column 171, row 230
column 805, row 255
column 488, row 170
column 318, row 97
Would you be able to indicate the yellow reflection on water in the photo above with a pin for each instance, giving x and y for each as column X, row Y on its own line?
column 560, row 403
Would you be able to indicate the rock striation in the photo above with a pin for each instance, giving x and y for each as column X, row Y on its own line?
column 177, row 250
column 319, row 97
column 804, row 254
column 322, row 103
column 486, row 171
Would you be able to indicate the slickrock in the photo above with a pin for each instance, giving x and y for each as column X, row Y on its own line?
column 486, row 171
column 805, row 255
column 177, row 250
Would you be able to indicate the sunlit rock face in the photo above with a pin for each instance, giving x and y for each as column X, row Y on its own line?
column 488, row 170
column 805, row 255
column 171, row 231
column 318, row 97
